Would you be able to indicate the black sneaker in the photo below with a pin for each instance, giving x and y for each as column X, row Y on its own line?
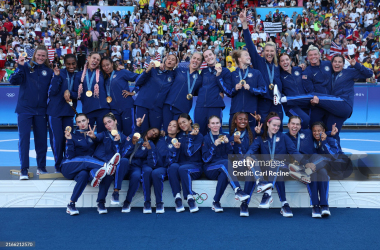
column 160, row 208
column 115, row 198
column 102, row 208
column 192, row 206
column 178, row 205
column 126, row 207
column 147, row 208
column 244, row 209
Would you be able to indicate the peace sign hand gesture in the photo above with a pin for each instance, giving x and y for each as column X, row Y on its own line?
column 256, row 116
column 352, row 61
column 91, row 133
column 139, row 121
column 243, row 16
column 258, row 128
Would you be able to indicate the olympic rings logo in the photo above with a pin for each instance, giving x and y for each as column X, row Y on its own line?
column 201, row 198
column 11, row 94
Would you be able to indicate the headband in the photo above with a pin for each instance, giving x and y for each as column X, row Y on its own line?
column 274, row 118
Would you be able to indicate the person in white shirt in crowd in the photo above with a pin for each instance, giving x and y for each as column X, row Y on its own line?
column 115, row 55
column 352, row 48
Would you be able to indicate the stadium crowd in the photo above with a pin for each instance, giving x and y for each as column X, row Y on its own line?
column 157, row 28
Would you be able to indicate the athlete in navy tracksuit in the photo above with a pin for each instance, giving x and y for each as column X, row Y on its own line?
column 215, row 150
column 338, row 106
column 318, row 187
column 60, row 111
column 270, row 144
column 187, row 81
column 185, row 159
column 78, row 165
column 291, row 79
column 34, row 80
column 270, row 71
column 117, row 87
column 215, row 80
column 91, row 91
column 241, row 144
column 153, row 87
column 245, row 97
column 156, row 175
column 137, row 154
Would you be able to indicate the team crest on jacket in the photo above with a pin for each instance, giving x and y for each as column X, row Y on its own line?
column 250, row 75
column 128, row 138
column 340, row 74
column 44, row 73
column 170, row 145
column 277, row 139
column 302, row 136
column 114, row 76
column 327, row 68
column 143, row 148
column 296, row 73
column 194, row 76
column 169, row 79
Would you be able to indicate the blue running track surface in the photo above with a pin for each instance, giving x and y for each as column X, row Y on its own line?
column 52, row 228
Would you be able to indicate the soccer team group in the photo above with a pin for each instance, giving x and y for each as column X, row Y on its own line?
column 146, row 135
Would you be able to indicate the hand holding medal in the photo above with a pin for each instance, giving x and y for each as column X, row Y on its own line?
column 237, row 135
column 175, row 143
column 115, row 134
column 218, row 68
column 68, row 133
column 195, row 129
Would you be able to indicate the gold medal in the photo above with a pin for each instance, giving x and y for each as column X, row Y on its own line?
column 237, row 133
column 109, row 99
column 114, row 132
column 218, row 65
column 189, row 97
column 24, row 54
column 174, row 140
column 271, row 86
column 137, row 135
column 68, row 129
column 242, row 82
column 221, row 137
column 196, row 126
column 89, row 93
column 157, row 64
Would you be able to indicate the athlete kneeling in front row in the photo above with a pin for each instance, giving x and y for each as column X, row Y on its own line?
column 215, row 150
column 80, row 166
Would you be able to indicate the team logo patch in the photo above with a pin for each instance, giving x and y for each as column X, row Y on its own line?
column 327, row 68
column 128, row 138
column 89, row 139
column 143, row 148
column 170, row 145
column 340, row 74
column 169, row 79
column 297, row 73
column 250, row 75
column 232, row 143
column 304, row 76
column 277, row 139
column 44, row 73
column 302, row 136
column 114, row 76
column 194, row 76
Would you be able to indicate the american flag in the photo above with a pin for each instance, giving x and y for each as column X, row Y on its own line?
column 30, row 52
column 51, row 54
column 158, row 57
column 204, row 65
column 146, row 65
column 134, row 67
column 249, row 17
column 337, row 49
column 129, row 28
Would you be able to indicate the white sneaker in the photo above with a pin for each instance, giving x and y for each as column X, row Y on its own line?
column 111, row 165
column 276, row 96
column 300, row 176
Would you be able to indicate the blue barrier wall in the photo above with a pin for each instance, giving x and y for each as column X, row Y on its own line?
column 366, row 106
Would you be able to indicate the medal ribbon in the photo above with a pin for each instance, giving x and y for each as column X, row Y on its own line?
column 70, row 81
column 109, row 85
column 271, row 151
column 245, row 76
column 270, row 75
column 89, row 83
column 190, row 86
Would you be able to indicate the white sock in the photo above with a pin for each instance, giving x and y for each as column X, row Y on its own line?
column 178, row 195
column 283, row 99
column 189, row 196
column 236, row 189
column 283, row 203
column 269, row 191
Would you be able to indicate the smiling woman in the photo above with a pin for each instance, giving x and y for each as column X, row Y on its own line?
column 34, row 80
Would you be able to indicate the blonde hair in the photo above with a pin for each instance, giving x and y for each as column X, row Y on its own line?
column 272, row 44
column 236, row 54
column 311, row 48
